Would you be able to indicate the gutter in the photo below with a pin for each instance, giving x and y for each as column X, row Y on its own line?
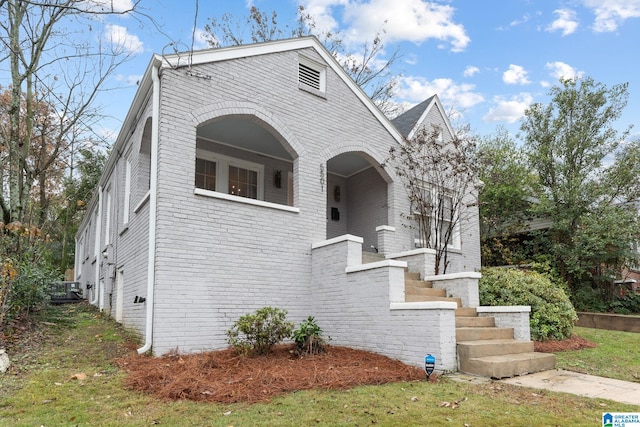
column 97, row 250
column 153, row 203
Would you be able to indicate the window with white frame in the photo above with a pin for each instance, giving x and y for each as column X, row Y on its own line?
column 107, row 220
column 127, row 191
column 229, row 175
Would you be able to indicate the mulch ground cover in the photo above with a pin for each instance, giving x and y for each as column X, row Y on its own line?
column 226, row 377
column 552, row 346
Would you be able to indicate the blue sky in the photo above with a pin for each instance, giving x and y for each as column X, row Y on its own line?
column 487, row 60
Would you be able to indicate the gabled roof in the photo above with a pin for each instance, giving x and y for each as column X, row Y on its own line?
column 408, row 122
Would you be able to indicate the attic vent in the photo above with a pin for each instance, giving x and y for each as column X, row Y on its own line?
column 309, row 76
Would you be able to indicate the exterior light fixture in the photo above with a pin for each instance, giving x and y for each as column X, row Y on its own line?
column 429, row 364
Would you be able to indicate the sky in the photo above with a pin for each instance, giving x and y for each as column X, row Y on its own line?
column 487, row 60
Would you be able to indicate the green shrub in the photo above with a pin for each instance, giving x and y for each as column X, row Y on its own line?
column 308, row 337
column 552, row 315
column 256, row 333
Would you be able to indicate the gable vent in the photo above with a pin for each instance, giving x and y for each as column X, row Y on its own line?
column 309, row 76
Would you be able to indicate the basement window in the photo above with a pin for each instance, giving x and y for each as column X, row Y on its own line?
column 311, row 76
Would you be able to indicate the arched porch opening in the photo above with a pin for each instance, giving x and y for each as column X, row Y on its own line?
column 243, row 156
column 357, row 198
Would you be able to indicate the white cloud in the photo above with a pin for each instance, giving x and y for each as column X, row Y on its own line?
column 560, row 70
column 508, row 110
column 130, row 80
column 122, row 39
column 470, row 71
column 612, row 13
column 417, row 89
column 200, row 39
column 516, row 74
column 110, row 6
column 416, row 21
column 565, row 22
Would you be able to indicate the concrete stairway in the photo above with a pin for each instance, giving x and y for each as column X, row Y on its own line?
column 483, row 348
column 489, row 351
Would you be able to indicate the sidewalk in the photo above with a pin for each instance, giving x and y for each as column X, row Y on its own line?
column 581, row 385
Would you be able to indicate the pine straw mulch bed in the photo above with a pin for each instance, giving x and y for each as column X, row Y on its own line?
column 552, row 346
column 224, row 376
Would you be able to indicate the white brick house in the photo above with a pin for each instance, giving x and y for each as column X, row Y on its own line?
column 250, row 176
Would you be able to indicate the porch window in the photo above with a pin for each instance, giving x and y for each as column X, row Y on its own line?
column 206, row 174
column 229, row 175
column 243, row 182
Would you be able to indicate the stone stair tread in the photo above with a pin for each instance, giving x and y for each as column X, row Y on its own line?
column 494, row 341
column 474, row 322
column 426, row 292
column 466, row 312
column 418, row 283
column 416, row 298
column 492, row 347
column 483, row 333
column 409, row 275
column 508, row 365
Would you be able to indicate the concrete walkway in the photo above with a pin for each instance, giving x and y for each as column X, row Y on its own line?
column 581, row 385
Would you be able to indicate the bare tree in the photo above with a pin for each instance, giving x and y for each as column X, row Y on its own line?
column 367, row 67
column 440, row 177
column 48, row 67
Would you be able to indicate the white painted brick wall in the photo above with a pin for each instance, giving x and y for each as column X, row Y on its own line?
column 217, row 260
column 354, row 309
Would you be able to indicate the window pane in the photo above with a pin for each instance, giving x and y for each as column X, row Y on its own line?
column 243, row 182
column 205, row 174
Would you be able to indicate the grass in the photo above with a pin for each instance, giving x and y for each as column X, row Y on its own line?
column 46, row 391
column 616, row 356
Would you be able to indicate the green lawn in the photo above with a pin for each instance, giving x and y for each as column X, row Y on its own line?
column 47, row 391
column 616, row 356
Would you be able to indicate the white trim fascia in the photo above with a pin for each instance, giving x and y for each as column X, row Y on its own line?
column 385, row 228
column 374, row 265
column 454, row 276
column 434, row 101
column 339, row 239
column 246, row 200
column 504, row 309
column 423, row 305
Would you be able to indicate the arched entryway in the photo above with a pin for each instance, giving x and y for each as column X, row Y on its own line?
column 357, row 197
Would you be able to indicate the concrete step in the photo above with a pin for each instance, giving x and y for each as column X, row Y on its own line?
column 422, row 298
column 410, row 275
column 466, row 312
column 369, row 257
column 498, row 347
column 475, row 322
column 508, row 365
column 427, row 292
column 473, row 334
column 417, row 283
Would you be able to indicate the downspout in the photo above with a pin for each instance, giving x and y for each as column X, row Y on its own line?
column 96, row 251
column 153, row 203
